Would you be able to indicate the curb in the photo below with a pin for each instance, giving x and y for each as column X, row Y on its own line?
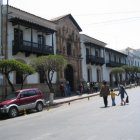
column 78, row 98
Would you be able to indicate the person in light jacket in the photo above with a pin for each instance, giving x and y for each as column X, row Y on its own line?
column 105, row 92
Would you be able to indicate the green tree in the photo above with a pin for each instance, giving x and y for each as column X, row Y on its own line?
column 26, row 70
column 132, row 71
column 48, row 65
column 8, row 66
column 117, row 71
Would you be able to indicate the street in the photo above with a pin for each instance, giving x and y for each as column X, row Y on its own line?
column 81, row 120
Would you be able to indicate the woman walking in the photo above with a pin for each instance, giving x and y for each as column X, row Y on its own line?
column 105, row 92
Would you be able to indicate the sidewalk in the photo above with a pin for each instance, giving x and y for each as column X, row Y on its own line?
column 62, row 100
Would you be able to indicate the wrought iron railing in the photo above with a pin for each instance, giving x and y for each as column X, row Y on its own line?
column 95, row 60
column 31, row 47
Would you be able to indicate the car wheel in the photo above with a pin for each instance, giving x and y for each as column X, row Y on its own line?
column 13, row 112
column 39, row 107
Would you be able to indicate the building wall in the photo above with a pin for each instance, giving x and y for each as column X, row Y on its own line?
column 33, row 80
column 68, row 33
column 93, row 68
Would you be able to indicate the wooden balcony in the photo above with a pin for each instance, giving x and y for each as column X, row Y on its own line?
column 31, row 47
column 94, row 60
column 114, row 64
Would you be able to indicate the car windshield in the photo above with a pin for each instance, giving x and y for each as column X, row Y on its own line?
column 11, row 96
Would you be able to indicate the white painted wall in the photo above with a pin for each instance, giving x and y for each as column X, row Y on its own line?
column 85, row 66
column 32, row 79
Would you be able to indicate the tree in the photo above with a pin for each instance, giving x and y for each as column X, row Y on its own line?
column 8, row 66
column 48, row 65
column 26, row 71
column 117, row 70
column 132, row 71
column 127, row 69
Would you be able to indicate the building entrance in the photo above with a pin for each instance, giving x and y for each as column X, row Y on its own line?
column 69, row 76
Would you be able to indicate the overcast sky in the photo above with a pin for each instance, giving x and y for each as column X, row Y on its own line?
column 115, row 22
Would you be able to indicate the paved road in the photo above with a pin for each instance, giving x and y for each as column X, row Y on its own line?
column 82, row 120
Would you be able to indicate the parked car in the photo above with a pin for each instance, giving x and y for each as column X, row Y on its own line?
column 22, row 99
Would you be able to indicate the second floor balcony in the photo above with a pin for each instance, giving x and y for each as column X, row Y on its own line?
column 31, row 47
column 94, row 60
column 114, row 64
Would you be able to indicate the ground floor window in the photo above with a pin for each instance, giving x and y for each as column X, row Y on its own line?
column 19, row 78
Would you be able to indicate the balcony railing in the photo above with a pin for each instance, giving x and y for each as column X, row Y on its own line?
column 31, row 47
column 114, row 64
column 95, row 60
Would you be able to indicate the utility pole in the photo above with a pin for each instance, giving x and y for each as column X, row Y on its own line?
column 6, row 36
column 6, row 45
column 1, row 3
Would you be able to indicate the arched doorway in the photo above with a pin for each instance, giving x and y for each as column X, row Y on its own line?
column 98, row 75
column 111, row 79
column 89, row 76
column 69, row 76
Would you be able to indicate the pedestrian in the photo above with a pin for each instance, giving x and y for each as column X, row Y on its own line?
column 105, row 92
column 62, row 89
column 96, row 86
column 81, row 88
column 122, row 93
column 88, row 87
column 113, row 94
column 91, row 87
column 67, row 89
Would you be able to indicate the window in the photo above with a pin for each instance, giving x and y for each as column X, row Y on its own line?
column 38, row 91
column 18, row 37
column 32, row 93
column 96, row 53
column 68, row 49
column 29, row 93
column 19, row 78
column 18, row 34
column 114, row 58
column 40, row 41
column 98, row 76
column 119, row 60
column 109, row 57
column 24, row 94
column 88, row 74
column 42, row 77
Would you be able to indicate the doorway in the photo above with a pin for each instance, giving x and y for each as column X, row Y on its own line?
column 69, row 76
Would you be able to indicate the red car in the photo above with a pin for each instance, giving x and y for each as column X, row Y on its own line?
column 22, row 99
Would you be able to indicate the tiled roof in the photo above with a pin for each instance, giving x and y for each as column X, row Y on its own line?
column 57, row 19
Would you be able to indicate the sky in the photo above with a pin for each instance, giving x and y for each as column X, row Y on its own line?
column 115, row 22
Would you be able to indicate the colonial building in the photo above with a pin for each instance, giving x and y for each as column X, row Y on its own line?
column 68, row 45
column 133, row 58
column 98, row 60
column 114, row 59
column 26, row 36
column 93, row 55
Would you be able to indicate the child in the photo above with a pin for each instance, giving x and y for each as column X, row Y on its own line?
column 112, row 93
column 121, row 92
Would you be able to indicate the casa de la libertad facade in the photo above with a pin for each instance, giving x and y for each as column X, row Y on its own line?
column 68, row 45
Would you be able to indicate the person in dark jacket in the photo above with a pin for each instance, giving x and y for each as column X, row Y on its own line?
column 105, row 92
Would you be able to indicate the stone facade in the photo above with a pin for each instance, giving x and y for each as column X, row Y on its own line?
column 68, row 45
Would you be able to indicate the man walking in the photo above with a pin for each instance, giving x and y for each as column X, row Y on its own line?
column 105, row 92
